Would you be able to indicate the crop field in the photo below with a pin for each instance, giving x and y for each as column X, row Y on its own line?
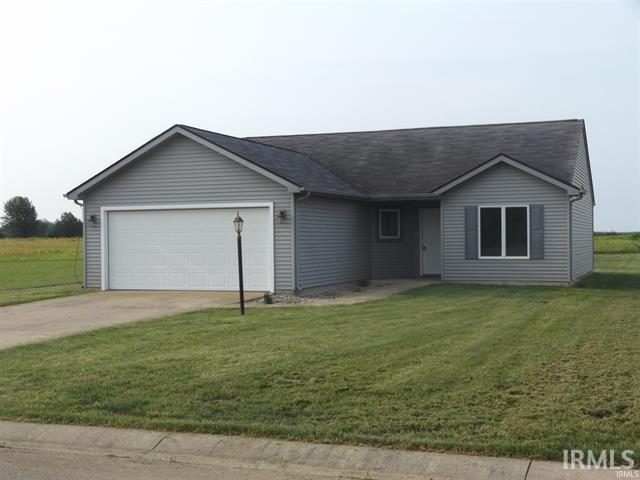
column 617, row 242
column 38, row 268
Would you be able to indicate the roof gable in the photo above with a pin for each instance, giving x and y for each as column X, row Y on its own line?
column 290, row 169
column 570, row 189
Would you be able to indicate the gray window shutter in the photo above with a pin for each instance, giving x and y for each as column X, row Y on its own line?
column 471, row 232
column 536, row 232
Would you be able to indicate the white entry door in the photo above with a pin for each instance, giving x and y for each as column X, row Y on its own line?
column 430, row 237
column 188, row 249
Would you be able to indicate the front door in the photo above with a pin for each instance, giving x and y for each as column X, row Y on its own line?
column 430, row 240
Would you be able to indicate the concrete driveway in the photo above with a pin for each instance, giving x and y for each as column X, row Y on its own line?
column 37, row 321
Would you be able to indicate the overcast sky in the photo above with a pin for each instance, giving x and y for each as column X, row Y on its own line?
column 82, row 84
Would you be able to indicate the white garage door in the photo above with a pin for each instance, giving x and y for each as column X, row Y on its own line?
column 188, row 249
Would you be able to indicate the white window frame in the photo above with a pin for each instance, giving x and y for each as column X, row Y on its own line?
column 388, row 237
column 503, row 233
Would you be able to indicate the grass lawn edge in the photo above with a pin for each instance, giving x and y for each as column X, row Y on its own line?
column 36, row 294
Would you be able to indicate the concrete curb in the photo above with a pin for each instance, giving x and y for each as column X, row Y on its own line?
column 273, row 455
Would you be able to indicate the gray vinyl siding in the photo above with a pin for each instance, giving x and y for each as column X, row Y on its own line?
column 397, row 258
column 582, row 218
column 332, row 241
column 502, row 185
column 181, row 171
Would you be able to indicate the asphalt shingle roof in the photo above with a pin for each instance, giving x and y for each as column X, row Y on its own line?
column 293, row 166
column 393, row 162
column 417, row 161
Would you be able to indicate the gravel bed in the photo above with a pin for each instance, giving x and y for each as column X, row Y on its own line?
column 291, row 299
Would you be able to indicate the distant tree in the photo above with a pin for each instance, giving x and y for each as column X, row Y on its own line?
column 20, row 218
column 67, row 226
column 44, row 228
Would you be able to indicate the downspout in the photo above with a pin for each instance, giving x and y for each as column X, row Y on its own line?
column 295, row 237
column 306, row 195
column 572, row 198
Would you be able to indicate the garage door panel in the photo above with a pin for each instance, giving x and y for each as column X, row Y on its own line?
column 136, row 278
column 177, row 239
column 177, row 260
column 197, row 239
column 161, row 260
column 258, row 278
column 257, row 260
column 216, row 261
column 157, row 280
column 188, row 249
column 218, row 281
column 158, row 239
column 196, row 280
column 196, row 260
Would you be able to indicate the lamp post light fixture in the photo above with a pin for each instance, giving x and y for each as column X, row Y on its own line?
column 237, row 224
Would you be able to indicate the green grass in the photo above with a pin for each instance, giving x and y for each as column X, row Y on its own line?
column 39, row 268
column 617, row 242
column 524, row 371
column 615, row 271
column 24, row 295
column 618, row 263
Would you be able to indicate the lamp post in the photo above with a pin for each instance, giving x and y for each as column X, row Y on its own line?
column 237, row 223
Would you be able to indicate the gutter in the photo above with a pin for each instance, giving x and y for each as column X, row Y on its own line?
column 376, row 197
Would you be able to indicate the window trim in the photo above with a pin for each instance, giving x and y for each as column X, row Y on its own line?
column 388, row 237
column 503, row 233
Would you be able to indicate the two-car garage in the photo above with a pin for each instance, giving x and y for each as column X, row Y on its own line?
column 189, row 247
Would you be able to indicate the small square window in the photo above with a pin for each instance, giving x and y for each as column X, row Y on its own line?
column 389, row 224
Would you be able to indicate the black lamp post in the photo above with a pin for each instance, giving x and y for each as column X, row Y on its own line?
column 237, row 223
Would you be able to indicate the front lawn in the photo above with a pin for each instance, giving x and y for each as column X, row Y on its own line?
column 489, row 369
column 39, row 268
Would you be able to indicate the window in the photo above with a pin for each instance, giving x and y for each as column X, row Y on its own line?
column 517, row 231
column 504, row 232
column 491, row 232
column 389, row 224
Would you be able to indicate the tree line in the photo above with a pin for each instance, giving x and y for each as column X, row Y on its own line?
column 20, row 219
